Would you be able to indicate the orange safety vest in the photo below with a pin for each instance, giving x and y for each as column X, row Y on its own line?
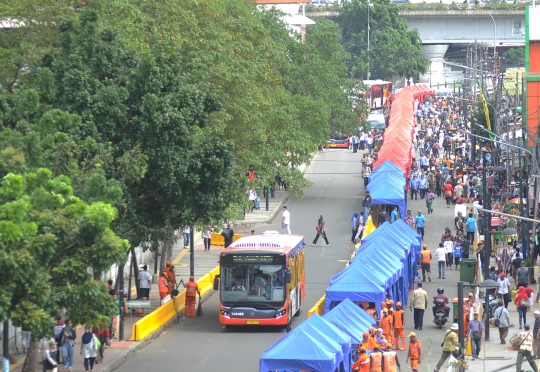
column 376, row 362
column 398, row 318
column 390, row 361
column 191, row 289
column 426, row 256
column 362, row 364
column 414, row 349
column 162, row 284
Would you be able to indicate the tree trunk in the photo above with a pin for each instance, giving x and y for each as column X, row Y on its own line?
column 163, row 257
column 135, row 265
column 31, row 356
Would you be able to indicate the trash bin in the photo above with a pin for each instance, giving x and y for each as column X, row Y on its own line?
column 455, row 308
column 468, row 269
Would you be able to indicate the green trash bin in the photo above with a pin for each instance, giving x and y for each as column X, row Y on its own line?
column 455, row 308
column 468, row 268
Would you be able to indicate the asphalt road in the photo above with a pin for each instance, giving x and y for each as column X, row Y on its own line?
column 202, row 344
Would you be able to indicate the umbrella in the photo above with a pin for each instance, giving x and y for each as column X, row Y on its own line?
column 516, row 201
column 500, row 168
column 506, row 195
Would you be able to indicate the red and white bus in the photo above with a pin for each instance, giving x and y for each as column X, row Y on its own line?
column 261, row 280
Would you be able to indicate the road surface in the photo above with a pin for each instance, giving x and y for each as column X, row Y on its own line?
column 202, row 344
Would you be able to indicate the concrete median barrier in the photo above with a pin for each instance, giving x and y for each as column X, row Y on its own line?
column 167, row 312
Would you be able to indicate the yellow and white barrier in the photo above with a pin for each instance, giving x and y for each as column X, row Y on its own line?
column 163, row 314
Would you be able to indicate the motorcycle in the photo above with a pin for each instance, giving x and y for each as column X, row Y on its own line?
column 493, row 304
column 440, row 313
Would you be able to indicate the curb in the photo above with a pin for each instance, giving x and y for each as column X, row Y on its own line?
column 139, row 345
column 124, row 356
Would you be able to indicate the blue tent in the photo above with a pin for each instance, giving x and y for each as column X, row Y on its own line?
column 398, row 232
column 397, row 240
column 300, row 350
column 406, row 229
column 351, row 319
column 357, row 284
column 387, row 167
column 332, row 332
column 391, row 260
column 389, row 189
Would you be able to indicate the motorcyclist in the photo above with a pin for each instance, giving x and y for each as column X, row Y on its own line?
column 441, row 297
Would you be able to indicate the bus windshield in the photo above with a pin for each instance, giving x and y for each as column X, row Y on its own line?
column 244, row 284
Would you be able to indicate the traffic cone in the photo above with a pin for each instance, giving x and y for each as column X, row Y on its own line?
column 468, row 352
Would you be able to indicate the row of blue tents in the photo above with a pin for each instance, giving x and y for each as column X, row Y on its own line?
column 384, row 266
column 324, row 343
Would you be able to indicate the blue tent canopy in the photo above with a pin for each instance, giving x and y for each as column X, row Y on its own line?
column 389, row 261
column 389, row 189
column 397, row 232
column 406, row 229
column 332, row 332
column 300, row 350
column 357, row 284
column 351, row 319
column 387, row 167
column 392, row 259
column 394, row 240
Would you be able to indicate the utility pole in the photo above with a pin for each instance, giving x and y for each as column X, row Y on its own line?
column 5, row 343
column 486, row 204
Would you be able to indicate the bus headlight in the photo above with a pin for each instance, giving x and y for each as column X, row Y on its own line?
column 281, row 313
column 224, row 313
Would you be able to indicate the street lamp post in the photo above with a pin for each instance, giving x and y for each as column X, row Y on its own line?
column 494, row 43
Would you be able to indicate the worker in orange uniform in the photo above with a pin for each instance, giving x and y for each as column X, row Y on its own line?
column 367, row 343
column 425, row 261
column 363, row 362
column 383, row 306
column 415, row 352
column 387, row 326
column 191, row 295
column 469, row 308
column 163, row 286
column 376, row 360
column 390, row 360
column 171, row 279
column 399, row 323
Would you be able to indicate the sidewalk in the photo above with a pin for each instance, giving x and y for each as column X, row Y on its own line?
column 501, row 357
column 119, row 352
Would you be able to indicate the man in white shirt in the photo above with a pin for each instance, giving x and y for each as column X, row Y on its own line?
column 441, row 260
column 145, row 280
column 286, row 220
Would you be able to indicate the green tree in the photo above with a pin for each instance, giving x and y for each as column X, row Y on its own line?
column 394, row 50
column 52, row 243
column 514, row 57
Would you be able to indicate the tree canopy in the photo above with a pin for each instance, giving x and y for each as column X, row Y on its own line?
column 514, row 57
column 394, row 50
column 132, row 119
